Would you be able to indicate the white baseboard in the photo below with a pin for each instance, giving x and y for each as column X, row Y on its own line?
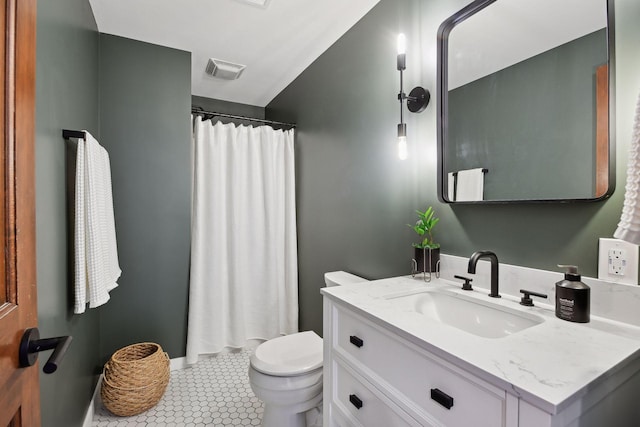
column 95, row 400
column 178, row 363
column 174, row 365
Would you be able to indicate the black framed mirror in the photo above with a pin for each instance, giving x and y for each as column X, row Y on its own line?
column 525, row 102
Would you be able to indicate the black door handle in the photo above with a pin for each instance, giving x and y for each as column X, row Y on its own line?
column 31, row 345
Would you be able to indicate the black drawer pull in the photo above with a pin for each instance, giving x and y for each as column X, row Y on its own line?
column 355, row 401
column 356, row 341
column 442, row 398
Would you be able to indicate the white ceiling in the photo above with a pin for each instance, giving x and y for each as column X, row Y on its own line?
column 508, row 32
column 276, row 43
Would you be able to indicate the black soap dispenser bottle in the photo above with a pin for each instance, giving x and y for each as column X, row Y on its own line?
column 573, row 298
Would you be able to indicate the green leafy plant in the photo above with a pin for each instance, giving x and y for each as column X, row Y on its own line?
column 424, row 227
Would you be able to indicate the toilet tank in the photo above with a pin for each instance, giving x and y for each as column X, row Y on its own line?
column 342, row 278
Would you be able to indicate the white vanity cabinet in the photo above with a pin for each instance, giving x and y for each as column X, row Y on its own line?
column 372, row 376
column 377, row 374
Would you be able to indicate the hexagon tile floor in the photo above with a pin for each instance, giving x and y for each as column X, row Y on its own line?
column 214, row 392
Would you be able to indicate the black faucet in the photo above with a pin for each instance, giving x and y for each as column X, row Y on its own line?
column 494, row 269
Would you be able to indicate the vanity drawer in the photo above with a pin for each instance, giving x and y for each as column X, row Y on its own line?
column 363, row 404
column 418, row 375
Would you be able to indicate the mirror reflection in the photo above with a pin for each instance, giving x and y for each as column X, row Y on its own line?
column 524, row 109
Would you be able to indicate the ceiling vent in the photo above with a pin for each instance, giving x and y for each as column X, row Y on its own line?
column 223, row 69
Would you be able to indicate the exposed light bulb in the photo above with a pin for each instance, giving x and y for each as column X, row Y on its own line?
column 402, row 148
column 402, row 44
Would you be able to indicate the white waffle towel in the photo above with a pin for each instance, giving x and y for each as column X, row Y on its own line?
column 96, row 254
column 629, row 225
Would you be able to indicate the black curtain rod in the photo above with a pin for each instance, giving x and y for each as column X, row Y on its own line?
column 67, row 134
column 197, row 110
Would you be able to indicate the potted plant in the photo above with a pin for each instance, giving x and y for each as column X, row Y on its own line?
column 427, row 249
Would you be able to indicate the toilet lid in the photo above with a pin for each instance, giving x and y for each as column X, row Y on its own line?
column 290, row 355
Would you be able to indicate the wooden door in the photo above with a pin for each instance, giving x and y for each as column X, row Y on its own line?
column 19, row 391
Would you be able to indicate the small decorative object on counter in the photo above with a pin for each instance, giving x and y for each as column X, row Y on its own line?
column 135, row 379
column 427, row 252
column 573, row 298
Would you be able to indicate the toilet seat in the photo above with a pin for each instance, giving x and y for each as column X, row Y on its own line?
column 290, row 355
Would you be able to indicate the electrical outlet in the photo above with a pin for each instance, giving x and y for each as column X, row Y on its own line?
column 618, row 261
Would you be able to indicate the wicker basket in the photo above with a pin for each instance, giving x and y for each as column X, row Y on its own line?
column 135, row 379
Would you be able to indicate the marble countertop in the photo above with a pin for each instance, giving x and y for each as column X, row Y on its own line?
column 550, row 365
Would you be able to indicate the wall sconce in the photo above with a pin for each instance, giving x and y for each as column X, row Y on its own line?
column 417, row 100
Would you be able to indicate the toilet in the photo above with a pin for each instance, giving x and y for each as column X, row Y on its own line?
column 286, row 372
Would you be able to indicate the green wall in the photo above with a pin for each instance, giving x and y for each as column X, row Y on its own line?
column 219, row 106
column 354, row 196
column 66, row 97
column 531, row 124
column 540, row 235
column 135, row 98
column 145, row 99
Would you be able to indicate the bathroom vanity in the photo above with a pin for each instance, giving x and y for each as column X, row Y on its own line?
column 402, row 352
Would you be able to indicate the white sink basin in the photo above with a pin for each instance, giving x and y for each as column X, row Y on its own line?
column 468, row 314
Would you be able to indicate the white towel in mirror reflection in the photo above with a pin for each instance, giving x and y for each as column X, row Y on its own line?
column 466, row 185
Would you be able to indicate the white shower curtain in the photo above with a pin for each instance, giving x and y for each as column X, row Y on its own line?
column 244, row 276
